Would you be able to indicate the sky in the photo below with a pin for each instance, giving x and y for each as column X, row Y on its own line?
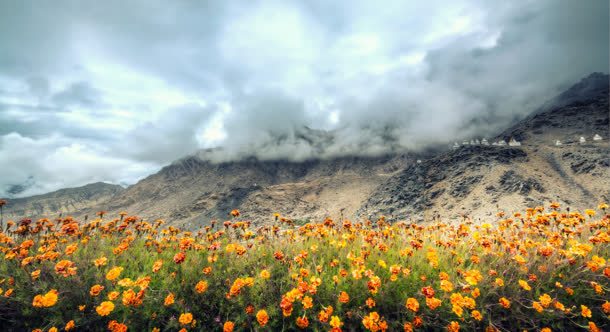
column 114, row 90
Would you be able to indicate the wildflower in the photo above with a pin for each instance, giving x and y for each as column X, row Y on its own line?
column 473, row 277
column 69, row 326
column 307, row 302
column 96, row 290
column 65, row 268
column 302, row 322
column 157, row 266
column 169, row 300
column 446, row 286
column 504, row 302
column 476, row 315
column 606, row 307
column 105, row 308
column 47, row 300
column 265, row 274
column 185, row 318
column 373, row 322
column 201, row 286
column 412, row 304
column 525, row 285
column 585, row 311
column 428, row 291
column 453, row 327
column 370, row 302
column 228, row 326
column 179, row 257
column 433, row 303
column 545, row 300
column 114, row 273
column 262, row 318
column 102, row 261
column 343, row 297
column 113, row 295
column 335, row 322
column 593, row 327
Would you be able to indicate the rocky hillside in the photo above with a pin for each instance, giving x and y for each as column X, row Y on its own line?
column 472, row 180
column 64, row 201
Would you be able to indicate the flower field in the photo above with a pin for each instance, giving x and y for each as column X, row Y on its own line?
column 541, row 269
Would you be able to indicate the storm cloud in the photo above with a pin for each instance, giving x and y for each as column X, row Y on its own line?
column 113, row 90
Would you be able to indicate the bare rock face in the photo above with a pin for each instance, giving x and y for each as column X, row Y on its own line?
column 193, row 191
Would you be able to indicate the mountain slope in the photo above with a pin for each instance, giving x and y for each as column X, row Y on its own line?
column 68, row 200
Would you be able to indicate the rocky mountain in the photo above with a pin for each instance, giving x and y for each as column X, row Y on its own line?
column 473, row 180
column 63, row 201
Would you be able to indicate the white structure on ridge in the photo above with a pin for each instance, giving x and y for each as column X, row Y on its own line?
column 484, row 142
column 514, row 142
column 502, row 143
column 477, row 142
column 558, row 143
column 465, row 142
column 582, row 140
column 456, row 145
column 472, row 142
column 597, row 137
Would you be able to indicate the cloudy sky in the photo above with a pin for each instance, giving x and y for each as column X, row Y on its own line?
column 113, row 90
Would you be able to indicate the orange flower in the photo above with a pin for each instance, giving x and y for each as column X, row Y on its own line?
column 370, row 302
column 433, row 303
column 412, row 304
column 47, row 300
column 169, row 299
column 265, row 274
column 179, row 257
column 373, row 322
column 69, row 326
column 157, row 266
column 235, row 213
column 105, row 308
column 453, row 327
column 228, row 326
column 343, row 297
column 307, row 302
column 428, row 291
column 504, row 302
column 525, row 285
column 476, row 315
column 96, row 290
column 585, row 311
column 302, row 322
column 65, row 268
column 113, row 295
column 185, row 318
column 201, row 286
column 262, row 317
column 100, row 261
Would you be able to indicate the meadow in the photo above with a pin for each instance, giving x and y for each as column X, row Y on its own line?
column 542, row 269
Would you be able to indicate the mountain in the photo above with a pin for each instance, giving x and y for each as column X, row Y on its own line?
column 68, row 200
column 473, row 180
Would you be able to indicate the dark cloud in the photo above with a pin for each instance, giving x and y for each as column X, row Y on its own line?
column 137, row 84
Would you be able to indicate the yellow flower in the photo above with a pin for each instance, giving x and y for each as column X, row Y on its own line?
column 412, row 304
column 585, row 311
column 335, row 322
column 114, row 273
column 47, row 300
column 525, row 285
column 105, row 308
column 477, row 315
column 265, row 274
column 185, row 318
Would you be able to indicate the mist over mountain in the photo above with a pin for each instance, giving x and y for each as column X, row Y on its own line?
column 468, row 180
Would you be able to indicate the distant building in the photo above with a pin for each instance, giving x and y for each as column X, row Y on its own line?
column 597, row 137
column 514, row 142
column 558, row 143
column 582, row 140
column 465, row 143
column 494, row 143
column 484, row 142
column 419, row 161
column 456, row 145
column 502, row 143
column 477, row 142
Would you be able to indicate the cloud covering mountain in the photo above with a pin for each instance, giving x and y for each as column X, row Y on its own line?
column 111, row 91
